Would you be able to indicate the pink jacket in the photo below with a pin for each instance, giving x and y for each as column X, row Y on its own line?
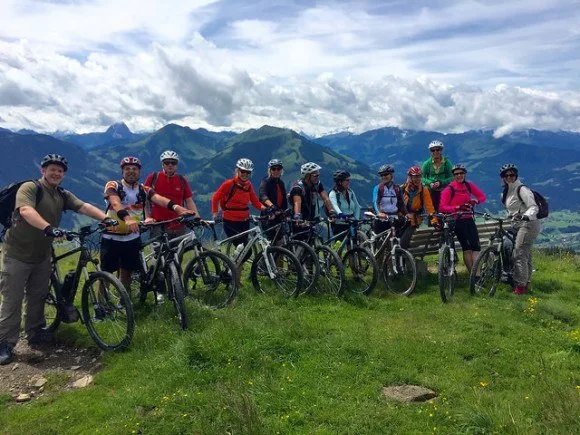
column 461, row 196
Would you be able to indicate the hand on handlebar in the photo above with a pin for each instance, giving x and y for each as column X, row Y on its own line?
column 109, row 222
column 51, row 231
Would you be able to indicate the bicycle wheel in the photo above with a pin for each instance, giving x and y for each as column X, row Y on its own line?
column 332, row 279
column 309, row 261
column 51, row 316
column 210, row 278
column 286, row 272
column 446, row 274
column 361, row 270
column 400, row 272
column 175, row 293
column 107, row 311
column 486, row 273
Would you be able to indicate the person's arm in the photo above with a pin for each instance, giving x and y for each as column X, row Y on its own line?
column 327, row 203
column 375, row 197
column 444, row 203
column 30, row 215
column 532, row 208
column 92, row 211
column 170, row 205
column 427, row 178
column 264, row 194
column 334, row 202
column 447, row 175
column 356, row 205
column 122, row 214
column 478, row 193
column 217, row 198
column 190, row 205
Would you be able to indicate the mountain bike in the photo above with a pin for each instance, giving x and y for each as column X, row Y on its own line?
column 361, row 270
column 106, row 307
column 274, row 269
column 332, row 278
column 495, row 262
column 397, row 265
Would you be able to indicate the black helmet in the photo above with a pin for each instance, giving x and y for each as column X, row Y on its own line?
column 459, row 167
column 55, row 159
column 275, row 162
column 507, row 166
column 386, row 169
column 340, row 175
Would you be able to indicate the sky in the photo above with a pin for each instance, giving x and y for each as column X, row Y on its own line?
column 317, row 67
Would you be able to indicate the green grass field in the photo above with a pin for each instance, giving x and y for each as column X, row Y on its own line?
column 317, row 364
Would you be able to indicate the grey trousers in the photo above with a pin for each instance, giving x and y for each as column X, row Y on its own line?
column 527, row 233
column 18, row 281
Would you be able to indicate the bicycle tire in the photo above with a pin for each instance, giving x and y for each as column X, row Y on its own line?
column 107, row 311
column 211, row 279
column 485, row 273
column 309, row 261
column 286, row 266
column 332, row 278
column 401, row 278
column 52, row 319
column 357, row 263
column 175, row 292
column 446, row 279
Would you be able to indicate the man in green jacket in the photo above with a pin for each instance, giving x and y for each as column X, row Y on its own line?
column 436, row 172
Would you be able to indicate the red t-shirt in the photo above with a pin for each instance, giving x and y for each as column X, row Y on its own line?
column 171, row 188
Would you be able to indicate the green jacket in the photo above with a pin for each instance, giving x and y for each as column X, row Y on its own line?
column 430, row 174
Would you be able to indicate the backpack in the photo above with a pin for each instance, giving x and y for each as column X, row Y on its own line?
column 8, row 201
column 181, row 178
column 467, row 184
column 381, row 192
column 543, row 209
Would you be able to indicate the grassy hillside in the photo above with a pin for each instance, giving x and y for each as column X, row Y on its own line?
column 317, row 365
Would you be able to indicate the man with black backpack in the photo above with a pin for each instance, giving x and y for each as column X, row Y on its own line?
column 26, row 262
column 173, row 186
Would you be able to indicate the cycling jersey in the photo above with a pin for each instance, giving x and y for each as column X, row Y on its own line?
column 462, row 195
column 431, row 174
column 234, row 197
column 309, row 195
column 391, row 200
column 175, row 188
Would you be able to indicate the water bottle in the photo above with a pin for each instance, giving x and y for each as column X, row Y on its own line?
column 238, row 250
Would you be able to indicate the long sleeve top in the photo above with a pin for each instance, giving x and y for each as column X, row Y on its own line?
column 341, row 205
column 432, row 174
column 417, row 201
column 526, row 206
column 458, row 194
column 234, row 197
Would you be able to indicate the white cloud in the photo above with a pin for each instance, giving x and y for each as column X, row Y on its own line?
column 443, row 65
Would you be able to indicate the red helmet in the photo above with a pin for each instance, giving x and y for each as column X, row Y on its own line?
column 414, row 170
column 130, row 160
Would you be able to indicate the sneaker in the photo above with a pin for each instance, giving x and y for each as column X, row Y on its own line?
column 160, row 298
column 6, row 354
column 41, row 337
column 520, row 289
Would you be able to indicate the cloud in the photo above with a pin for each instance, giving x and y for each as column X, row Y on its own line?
column 438, row 65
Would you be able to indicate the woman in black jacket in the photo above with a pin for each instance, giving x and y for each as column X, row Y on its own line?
column 273, row 193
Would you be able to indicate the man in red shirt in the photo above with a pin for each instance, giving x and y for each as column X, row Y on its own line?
column 171, row 185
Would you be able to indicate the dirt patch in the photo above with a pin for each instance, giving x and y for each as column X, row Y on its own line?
column 55, row 368
column 409, row 393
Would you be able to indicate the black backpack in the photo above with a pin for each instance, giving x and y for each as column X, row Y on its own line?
column 8, row 201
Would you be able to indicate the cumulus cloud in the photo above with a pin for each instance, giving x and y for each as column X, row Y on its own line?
column 440, row 65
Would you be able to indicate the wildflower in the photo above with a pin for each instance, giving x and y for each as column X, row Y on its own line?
column 483, row 384
column 250, row 383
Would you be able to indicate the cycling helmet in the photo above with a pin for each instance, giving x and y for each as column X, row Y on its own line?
column 340, row 175
column 166, row 155
column 459, row 167
column 56, row 159
column 275, row 162
column 506, row 166
column 386, row 169
column 436, row 144
column 245, row 165
column 130, row 160
column 414, row 170
column 309, row 168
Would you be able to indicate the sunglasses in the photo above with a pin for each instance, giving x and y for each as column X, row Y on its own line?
column 170, row 162
column 276, row 168
column 245, row 172
column 315, row 175
column 386, row 174
column 455, row 174
column 511, row 174
column 436, row 150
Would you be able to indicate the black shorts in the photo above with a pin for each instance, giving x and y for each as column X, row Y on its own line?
column 232, row 228
column 116, row 254
column 467, row 234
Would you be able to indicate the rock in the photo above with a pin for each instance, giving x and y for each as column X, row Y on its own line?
column 15, row 366
column 83, row 382
column 409, row 393
column 75, row 367
column 22, row 397
column 38, row 381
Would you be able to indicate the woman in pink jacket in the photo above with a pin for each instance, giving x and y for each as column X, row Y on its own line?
column 462, row 196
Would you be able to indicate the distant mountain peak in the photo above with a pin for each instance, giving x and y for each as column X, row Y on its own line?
column 119, row 130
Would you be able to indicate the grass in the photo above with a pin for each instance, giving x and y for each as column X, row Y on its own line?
column 317, row 365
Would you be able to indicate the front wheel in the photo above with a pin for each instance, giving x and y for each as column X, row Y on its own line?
column 400, row 272
column 277, row 270
column 107, row 311
column 332, row 278
column 446, row 273
column 175, row 293
column 361, row 271
column 211, row 279
column 485, row 273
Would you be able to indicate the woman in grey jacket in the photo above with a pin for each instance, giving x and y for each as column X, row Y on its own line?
column 519, row 202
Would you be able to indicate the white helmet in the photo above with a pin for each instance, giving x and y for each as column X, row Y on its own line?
column 245, row 164
column 166, row 155
column 309, row 168
column 436, row 144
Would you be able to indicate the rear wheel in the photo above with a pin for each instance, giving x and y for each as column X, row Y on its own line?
column 309, row 261
column 400, row 273
column 361, row 270
column 446, row 274
column 51, row 307
column 286, row 270
column 210, row 278
column 332, row 278
column 486, row 273
column 175, row 292
column 107, row 311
